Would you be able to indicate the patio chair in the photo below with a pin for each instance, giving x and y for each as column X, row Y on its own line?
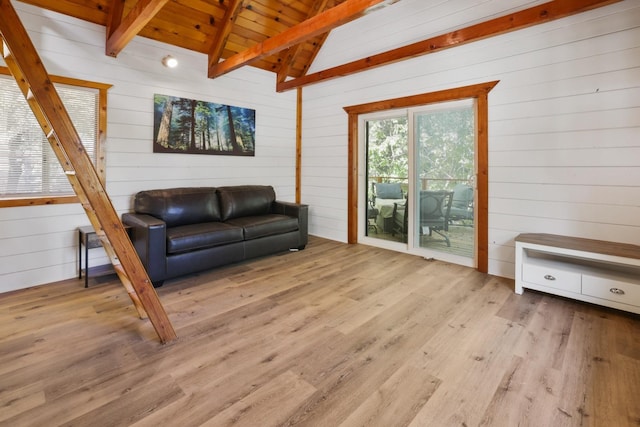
column 386, row 191
column 435, row 208
column 462, row 203
column 400, row 220
column 384, row 195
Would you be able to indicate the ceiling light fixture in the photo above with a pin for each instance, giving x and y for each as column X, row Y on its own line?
column 169, row 61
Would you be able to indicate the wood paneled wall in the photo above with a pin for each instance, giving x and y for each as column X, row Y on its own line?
column 564, row 122
column 39, row 244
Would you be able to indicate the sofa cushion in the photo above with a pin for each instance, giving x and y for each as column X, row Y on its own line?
column 179, row 206
column 199, row 236
column 245, row 200
column 265, row 225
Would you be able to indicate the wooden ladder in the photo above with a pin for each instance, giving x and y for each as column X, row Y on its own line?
column 24, row 63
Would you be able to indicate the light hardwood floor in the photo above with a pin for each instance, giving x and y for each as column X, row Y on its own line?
column 335, row 335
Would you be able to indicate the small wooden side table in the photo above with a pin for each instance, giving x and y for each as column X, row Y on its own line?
column 88, row 239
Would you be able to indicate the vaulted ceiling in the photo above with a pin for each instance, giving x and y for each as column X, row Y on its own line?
column 222, row 29
column 282, row 36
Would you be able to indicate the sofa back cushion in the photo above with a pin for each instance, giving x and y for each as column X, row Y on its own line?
column 245, row 200
column 180, row 206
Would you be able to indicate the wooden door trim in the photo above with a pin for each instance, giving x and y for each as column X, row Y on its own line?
column 479, row 92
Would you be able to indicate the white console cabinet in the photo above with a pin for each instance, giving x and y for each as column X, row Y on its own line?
column 595, row 271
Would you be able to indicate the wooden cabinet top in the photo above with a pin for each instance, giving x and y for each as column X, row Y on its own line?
column 625, row 250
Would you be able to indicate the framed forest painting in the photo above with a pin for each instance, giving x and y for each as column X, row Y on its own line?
column 182, row 125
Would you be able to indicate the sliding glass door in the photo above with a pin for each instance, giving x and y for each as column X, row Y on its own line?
column 387, row 180
column 444, row 178
column 420, row 180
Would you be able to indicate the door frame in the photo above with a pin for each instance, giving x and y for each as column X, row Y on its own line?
column 480, row 92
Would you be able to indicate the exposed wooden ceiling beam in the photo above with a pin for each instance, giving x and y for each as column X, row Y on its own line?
column 217, row 47
column 131, row 25
column 312, row 27
column 288, row 57
column 515, row 21
column 115, row 16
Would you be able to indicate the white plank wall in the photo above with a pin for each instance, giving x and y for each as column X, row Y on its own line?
column 39, row 244
column 564, row 131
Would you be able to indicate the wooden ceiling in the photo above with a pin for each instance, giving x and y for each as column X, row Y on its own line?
column 222, row 29
column 282, row 36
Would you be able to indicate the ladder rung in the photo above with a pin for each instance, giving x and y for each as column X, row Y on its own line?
column 120, row 270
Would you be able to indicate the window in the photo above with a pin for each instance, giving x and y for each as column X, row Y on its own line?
column 30, row 173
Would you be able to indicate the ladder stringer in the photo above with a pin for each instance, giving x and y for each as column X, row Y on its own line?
column 32, row 78
column 71, row 175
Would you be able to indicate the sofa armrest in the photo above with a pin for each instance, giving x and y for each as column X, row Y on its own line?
column 149, row 237
column 295, row 210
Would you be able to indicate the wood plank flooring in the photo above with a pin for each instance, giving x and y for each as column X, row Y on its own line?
column 335, row 335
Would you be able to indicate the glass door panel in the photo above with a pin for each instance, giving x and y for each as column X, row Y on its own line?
column 387, row 181
column 444, row 178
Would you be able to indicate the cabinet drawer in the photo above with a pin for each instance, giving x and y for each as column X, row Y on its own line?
column 551, row 277
column 611, row 289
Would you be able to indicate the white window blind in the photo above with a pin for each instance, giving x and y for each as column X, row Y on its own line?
column 28, row 165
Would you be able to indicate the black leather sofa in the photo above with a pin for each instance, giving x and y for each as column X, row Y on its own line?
column 178, row 231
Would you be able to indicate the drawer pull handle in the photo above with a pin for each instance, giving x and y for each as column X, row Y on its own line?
column 616, row 291
column 549, row 277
